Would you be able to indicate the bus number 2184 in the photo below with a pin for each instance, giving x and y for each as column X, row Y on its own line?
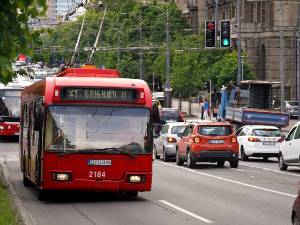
column 97, row 174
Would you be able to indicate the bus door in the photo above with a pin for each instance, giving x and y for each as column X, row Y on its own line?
column 25, row 122
column 29, row 135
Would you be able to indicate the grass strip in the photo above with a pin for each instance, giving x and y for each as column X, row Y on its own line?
column 8, row 215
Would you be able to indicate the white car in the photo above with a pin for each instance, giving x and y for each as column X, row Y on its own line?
column 165, row 141
column 289, row 154
column 259, row 141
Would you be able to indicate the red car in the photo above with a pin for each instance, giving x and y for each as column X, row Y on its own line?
column 296, row 208
column 208, row 142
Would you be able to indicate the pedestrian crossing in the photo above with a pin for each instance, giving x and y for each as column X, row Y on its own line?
column 9, row 156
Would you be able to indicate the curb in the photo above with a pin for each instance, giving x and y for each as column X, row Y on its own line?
column 20, row 205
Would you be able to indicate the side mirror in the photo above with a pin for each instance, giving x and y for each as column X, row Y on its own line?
column 179, row 135
column 37, row 121
column 283, row 137
column 155, row 112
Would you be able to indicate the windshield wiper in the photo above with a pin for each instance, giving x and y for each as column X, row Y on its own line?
column 96, row 151
column 77, row 152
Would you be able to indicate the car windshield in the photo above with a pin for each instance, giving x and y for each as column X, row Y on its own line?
column 178, row 129
column 10, row 103
column 293, row 103
column 170, row 115
column 267, row 132
column 72, row 128
column 215, row 130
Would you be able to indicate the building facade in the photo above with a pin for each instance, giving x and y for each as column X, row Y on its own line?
column 260, row 34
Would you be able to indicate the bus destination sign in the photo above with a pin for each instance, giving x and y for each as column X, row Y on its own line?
column 99, row 94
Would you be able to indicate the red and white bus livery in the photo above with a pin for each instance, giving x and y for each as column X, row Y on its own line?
column 10, row 110
column 87, row 130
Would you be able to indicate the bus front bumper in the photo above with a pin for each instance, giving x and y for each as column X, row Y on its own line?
column 96, row 185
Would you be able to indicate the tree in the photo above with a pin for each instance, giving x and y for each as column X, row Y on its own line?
column 15, row 36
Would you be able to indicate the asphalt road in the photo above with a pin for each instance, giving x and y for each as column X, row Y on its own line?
column 255, row 193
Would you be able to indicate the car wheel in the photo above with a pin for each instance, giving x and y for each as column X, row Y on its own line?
column 295, row 220
column 282, row 165
column 244, row 157
column 265, row 158
column 234, row 164
column 155, row 153
column 190, row 162
column 132, row 193
column 220, row 163
column 179, row 161
column 166, row 157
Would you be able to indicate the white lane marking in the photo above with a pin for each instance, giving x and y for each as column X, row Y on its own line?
column 187, row 212
column 232, row 181
column 277, row 171
column 9, row 153
column 13, row 158
column 237, row 169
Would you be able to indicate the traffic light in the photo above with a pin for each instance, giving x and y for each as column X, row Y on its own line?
column 207, row 86
column 225, row 39
column 210, row 34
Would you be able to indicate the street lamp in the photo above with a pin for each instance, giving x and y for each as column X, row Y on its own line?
column 141, row 41
column 168, row 93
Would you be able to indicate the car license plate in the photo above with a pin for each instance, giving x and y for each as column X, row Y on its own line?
column 95, row 162
column 216, row 141
column 269, row 143
column 16, row 133
column 296, row 109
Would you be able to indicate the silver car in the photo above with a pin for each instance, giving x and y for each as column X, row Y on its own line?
column 165, row 141
column 291, row 107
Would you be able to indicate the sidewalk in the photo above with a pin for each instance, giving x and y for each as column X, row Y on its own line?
column 197, row 114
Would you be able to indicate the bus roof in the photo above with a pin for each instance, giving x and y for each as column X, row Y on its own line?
column 82, row 72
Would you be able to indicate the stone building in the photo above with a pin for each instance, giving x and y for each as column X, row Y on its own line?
column 260, row 34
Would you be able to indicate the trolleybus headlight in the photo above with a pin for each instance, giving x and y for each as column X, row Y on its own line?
column 60, row 177
column 136, row 179
column 1, row 128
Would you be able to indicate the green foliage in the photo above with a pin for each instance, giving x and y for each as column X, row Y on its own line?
column 15, row 36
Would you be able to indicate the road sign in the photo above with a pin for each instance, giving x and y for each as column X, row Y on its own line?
column 168, row 89
column 168, row 85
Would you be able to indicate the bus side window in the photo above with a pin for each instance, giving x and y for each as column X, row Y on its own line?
column 26, row 116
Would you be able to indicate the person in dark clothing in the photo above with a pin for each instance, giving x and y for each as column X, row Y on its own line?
column 229, row 88
column 3, row 109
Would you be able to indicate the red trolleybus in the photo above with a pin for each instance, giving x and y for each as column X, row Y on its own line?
column 87, row 130
column 10, row 110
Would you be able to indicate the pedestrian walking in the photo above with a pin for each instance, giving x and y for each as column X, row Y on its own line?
column 201, row 107
column 205, row 114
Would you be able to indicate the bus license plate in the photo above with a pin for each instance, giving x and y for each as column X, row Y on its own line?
column 95, row 162
column 216, row 141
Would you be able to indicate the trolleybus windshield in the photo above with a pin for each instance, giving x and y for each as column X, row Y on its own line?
column 100, row 129
column 10, row 103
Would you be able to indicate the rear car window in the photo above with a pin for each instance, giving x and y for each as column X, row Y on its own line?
column 171, row 115
column 215, row 130
column 267, row 132
column 177, row 129
column 293, row 103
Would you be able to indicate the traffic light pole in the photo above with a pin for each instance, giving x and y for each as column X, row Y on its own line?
column 239, row 45
column 217, row 17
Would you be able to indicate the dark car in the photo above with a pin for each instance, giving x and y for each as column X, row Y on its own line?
column 168, row 115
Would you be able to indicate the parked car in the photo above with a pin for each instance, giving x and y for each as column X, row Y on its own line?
column 165, row 141
column 208, row 142
column 160, row 97
column 289, row 151
column 292, row 108
column 296, row 208
column 168, row 115
column 259, row 141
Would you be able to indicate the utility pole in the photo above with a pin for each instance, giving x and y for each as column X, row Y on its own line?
column 299, row 59
column 118, row 43
column 168, row 94
column 141, row 45
column 282, row 90
column 239, row 45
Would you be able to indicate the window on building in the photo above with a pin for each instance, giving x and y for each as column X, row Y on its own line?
column 223, row 16
column 277, row 94
column 233, row 12
column 258, row 12
column 230, row 14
